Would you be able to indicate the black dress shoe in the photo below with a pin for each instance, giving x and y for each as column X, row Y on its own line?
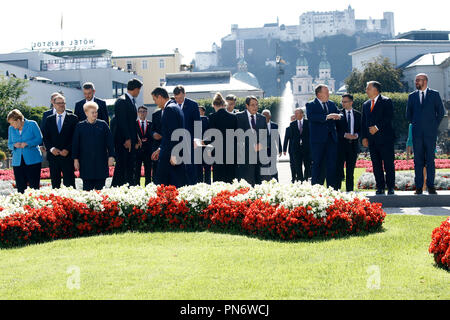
column 391, row 191
column 379, row 192
column 432, row 191
column 418, row 191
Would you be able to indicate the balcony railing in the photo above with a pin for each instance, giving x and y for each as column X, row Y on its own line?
column 76, row 64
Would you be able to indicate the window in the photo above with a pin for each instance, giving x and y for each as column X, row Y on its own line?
column 145, row 64
column 162, row 64
column 161, row 81
column 129, row 65
column 118, row 89
column 299, row 88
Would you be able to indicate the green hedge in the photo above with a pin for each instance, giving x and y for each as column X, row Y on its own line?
column 399, row 100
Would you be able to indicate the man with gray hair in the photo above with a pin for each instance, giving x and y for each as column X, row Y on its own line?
column 301, row 150
column 425, row 112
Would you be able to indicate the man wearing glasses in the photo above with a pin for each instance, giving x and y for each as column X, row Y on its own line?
column 57, row 135
column 349, row 131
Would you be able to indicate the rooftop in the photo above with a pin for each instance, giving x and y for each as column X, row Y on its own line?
column 400, row 42
column 430, row 59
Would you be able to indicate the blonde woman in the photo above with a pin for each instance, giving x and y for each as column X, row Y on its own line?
column 24, row 138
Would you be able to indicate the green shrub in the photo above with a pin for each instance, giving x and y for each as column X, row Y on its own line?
column 2, row 156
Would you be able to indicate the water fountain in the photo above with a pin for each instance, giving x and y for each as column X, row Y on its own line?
column 285, row 112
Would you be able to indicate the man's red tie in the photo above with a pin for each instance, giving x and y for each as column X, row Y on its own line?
column 373, row 105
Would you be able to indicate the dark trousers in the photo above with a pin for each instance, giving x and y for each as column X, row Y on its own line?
column 204, row 174
column 125, row 166
column 170, row 175
column 324, row 153
column 250, row 173
column 347, row 153
column 143, row 158
column 424, row 148
column 292, row 166
column 62, row 165
column 224, row 172
column 383, row 154
column 301, row 159
column 154, row 169
column 27, row 175
column 97, row 184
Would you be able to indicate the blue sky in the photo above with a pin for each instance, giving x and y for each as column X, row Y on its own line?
column 154, row 27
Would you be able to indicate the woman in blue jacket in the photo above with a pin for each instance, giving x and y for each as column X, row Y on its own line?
column 24, row 138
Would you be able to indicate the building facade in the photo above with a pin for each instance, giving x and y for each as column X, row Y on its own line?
column 152, row 69
column 66, row 72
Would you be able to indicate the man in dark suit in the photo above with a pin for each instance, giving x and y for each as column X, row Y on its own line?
column 57, row 135
column 287, row 147
column 377, row 134
column 349, row 131
column 322, row 116
column 126, row 137
column 171, row 171
column 204, row 171
column 191, row 115
column 271, row 128
column 89, row 94
column 300, row 144
column 249, row 144
column 425, row 111
column 144, row 150
column 156, row 135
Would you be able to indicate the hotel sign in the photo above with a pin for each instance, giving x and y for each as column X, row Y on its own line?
column 59, row 45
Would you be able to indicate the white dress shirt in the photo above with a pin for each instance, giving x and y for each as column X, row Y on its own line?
column 424, row 94
column 63, row 116
column 249, row 116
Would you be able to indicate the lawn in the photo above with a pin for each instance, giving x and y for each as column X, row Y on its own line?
column 208, row 265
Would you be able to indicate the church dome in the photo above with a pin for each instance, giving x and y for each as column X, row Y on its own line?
column 247, row 77
column 302, row 62
column 324, row 65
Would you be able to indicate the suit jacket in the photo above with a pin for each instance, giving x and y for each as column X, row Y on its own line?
column 274, row 126
column 156, row 127
column 296, row 137
column 205, row 124
column 60, row 140
column 287, row 144
column 223, row 120
column 191, row 114
column 102, row 110
column 426, row 117
column 243, row 147
column 171, row 119
column 318, row 125
column 145, row 136
column 125, row 117
column 342, row 127
column 381, row 116
column 47, row 114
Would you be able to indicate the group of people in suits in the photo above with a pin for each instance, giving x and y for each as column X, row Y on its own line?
column 230, row 144
column 331, row 138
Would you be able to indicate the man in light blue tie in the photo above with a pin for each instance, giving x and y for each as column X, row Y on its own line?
column 57, row 135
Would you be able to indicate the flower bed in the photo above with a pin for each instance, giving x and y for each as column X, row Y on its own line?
column 404, row 181
column 440, row 244
column 403, row 165
column 270, row 210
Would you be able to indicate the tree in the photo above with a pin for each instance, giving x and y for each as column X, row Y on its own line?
column 12, row 92
column 381, row 70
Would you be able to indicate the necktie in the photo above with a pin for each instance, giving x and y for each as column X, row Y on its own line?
column 423, row 98
column 325, row 107
column 59, row 123
column 143, row 127
column 300, row 127
column 253, row 122
column 180, row 106
column 134, row 102
column 373, row 105
column 349, row 119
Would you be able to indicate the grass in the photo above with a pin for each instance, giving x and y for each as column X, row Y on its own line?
column 207, row 265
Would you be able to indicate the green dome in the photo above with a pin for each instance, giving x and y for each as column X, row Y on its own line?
column 324, row 65
column 302, row 62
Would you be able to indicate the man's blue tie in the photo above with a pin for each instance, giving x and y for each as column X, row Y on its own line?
column 423, row 98
column 349, row 119
column 59, row 123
